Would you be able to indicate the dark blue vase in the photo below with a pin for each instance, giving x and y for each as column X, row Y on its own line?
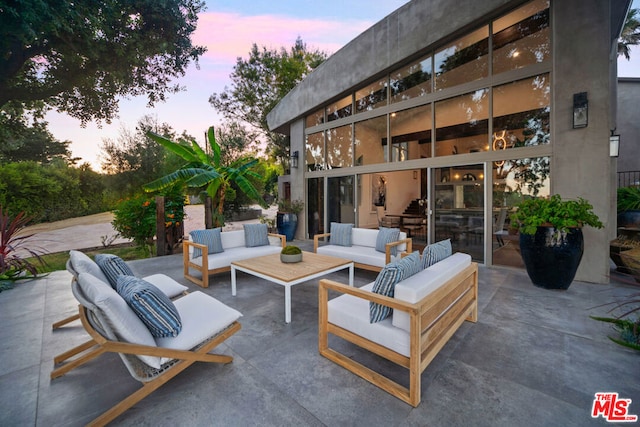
column 552, row 258
column 287, row 224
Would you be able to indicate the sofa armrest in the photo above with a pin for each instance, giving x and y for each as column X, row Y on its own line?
column 408, row 241
column 315, row 240
column 186, row 244
column 396, row 304
column 282, row 237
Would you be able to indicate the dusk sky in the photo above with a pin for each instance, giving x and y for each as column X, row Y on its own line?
column 228, row 28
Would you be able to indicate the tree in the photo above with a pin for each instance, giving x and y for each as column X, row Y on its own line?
column 80, row 56
column 260, row 82
column 207, row 171
column 630, row 35
column 33, row 143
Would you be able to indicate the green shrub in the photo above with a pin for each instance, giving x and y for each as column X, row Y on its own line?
column 291, row 250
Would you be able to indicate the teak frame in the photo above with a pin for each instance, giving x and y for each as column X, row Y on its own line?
column 433, row 320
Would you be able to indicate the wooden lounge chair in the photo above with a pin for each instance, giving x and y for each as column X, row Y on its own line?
column 115, row 328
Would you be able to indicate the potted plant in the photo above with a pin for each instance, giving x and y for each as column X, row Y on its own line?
column 287, row 217
column 291, row 253
column 629, row 207
column 551, row 240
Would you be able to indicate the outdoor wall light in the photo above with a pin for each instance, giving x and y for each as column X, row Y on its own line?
column 294, row 159
column 614, row 145
column 580, row 110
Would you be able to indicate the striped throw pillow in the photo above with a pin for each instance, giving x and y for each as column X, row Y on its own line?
column 256, row 235
column 210, row 237
column 436, row 252
column 410, row 264
column 341, row 234
column 385, row 284
column 153, row 307
column 387, row 235
column 112, row 266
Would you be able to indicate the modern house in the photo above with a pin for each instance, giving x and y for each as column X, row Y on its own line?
column 453, row 112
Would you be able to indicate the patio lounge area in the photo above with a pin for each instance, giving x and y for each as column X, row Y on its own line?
column 533, row 359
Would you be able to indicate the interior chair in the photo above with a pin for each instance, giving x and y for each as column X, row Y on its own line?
column 387, row 221
column 498, row 228
column 413, row 225
column 115, row 328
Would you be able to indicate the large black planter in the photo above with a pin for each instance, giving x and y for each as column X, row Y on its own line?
column 287, row 224
column 629, row 219
column 552, row 258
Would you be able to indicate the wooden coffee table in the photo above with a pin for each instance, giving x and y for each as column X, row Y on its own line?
column 270, row 268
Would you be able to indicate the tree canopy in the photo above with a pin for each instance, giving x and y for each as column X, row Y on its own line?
column 79, row 56
column 630, row 35
column 260, row 82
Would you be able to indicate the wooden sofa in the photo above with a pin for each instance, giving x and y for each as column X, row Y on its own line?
column 428, row 308
column 363, row 248
column 233, row 243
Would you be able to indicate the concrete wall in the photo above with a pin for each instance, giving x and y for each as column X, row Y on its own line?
column 628, row 124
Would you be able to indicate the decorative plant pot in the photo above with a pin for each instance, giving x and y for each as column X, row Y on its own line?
column 287, row 223
column 629, row 219
column 631, row 260
column 614, row 254
column 290, row 258
column 552, row 258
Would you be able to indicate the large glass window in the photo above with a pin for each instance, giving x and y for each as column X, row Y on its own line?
column 411, row 133
column 370, row 138
column 521, row 37
column 521, row 113
column 315, row 206
column 315, row 118
column 372, row 96
column 339, row 147
column 462, row 124
column 340, row 200
column 411, row 81
column 314, row 153
column 340, row 109
column 463, row 61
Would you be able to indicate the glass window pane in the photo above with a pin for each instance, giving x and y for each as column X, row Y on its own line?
column 339, row 109
column 462, row 124
column 463, row 61
column 522, row 37
column 372, row 96
column 411, row 129
column 521, row 113
column 314, row 119
column 315, row 206
column 339, row 147
column 370, row 141
column 412, row 81
column 314, row 153
column 340, row 200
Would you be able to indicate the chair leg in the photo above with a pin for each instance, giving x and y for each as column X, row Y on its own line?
column 63, row 322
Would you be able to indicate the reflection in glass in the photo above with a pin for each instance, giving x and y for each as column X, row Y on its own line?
column 314, row 119
column 411, row 133
column 340, row 200
column 372, row 96
column 339, row 109
column 521, row 113
column 315, row 206
column 370, row 141
column 522, row 37
column 463, row 61
column 339, row 154
column 314, row 153
column 411, row 81
column 462, row 124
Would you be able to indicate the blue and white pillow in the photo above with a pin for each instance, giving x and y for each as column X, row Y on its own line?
column 152, row 306
column 436, row 252
column 256, row 235
column 387, row 235
column 385, row 284
column 210, row 237
column 112, row 266
column 341, row 234
column 410, row 264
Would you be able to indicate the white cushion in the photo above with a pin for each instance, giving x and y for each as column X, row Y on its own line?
column 81, row 263
column 364, row 237
column 202, row 317
column 122, row 320
column 361, row 254
column 352, row 313
column 166, row 284
column 418, row 286
column 232, row 239
column 224, row 259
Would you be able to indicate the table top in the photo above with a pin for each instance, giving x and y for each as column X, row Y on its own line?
column 312, row 263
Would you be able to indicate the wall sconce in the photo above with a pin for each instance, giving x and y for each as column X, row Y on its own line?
column 614, row 145
column 580, row 110
column 294, row 159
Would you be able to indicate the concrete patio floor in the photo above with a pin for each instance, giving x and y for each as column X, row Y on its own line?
column 533, row 359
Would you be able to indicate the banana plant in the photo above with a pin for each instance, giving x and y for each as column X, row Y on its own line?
column 206, row 171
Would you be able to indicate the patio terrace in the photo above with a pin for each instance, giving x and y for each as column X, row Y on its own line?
column 533, row 359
